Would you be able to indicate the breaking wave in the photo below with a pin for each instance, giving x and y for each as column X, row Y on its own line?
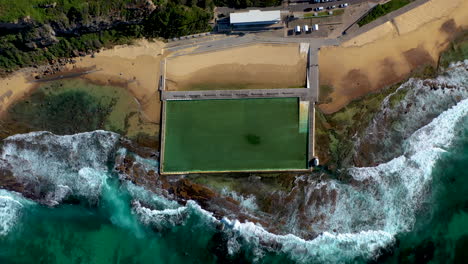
column 11, row 206
column 364, row 217
column 55, row 167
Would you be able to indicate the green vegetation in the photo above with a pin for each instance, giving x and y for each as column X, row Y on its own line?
column 381, row 10
column 397, row 97
column 324, row 93
column 335, row 133
column 247, row 3
column 324, row 14
column 14, row 54
column 45, row 10
column 174, row 20
column 234, row 135
column 457, row 51
column 75, row 22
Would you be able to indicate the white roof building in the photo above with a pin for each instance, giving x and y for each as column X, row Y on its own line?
column 256, row 17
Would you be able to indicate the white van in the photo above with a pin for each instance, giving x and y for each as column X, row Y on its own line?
column 316, row 28
column 298, row 29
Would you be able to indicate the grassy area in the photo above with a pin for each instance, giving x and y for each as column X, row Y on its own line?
column 234, row 135
column 382, row 10
column 324, row 14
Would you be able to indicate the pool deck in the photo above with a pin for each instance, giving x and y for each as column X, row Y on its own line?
column 310, row 94
column 304, row 94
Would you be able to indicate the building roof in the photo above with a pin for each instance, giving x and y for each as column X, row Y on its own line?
column 255, row 16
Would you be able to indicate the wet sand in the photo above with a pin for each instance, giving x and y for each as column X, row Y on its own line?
column 248, row 67
column 135, row 67
column 389, row 53
column 13, row 88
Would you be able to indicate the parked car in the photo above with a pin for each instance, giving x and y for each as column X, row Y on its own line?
column 308, row 9
column 298, row 29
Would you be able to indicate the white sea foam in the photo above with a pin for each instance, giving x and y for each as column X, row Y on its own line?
column 141, row 194
column 397, row 120
column 247, row 202
column 170, row 217
column 11, row 205
column 367, row 217
column 60, row 165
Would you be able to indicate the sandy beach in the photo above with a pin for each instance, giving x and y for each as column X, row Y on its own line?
column 388, row 53
column 135, row 67
column 14, row 87
column 254, row 66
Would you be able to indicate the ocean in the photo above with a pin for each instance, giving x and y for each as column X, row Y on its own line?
column 412, row 208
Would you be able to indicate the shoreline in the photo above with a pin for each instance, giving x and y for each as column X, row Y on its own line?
column 133, row 67
column 389, row 53
column 383, row 61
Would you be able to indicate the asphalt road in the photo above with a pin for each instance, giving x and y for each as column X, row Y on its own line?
column 293, row 7
column 301, row 6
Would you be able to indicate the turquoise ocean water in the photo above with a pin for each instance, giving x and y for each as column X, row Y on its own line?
column 414, row 209
column 110, row 232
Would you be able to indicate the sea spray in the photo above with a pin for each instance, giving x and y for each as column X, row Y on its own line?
column 52, row 167
column 247, row 202
column 356, row 219
column 367, row 216
column 413, row 105
column 11, row 206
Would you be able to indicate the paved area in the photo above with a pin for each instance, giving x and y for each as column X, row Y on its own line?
column 292, row 7
column 311, row 93
column 382, row 20
column 311, row 143
column 303, row 93
column 313, row 72
column 249, row 39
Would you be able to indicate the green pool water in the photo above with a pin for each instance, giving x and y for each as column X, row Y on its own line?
column 234, row 135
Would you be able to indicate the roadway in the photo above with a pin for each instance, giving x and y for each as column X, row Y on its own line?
column 248, row 39
column 299, row 6
column 313, row 72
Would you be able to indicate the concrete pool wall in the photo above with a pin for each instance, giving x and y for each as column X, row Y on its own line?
column 241, row 135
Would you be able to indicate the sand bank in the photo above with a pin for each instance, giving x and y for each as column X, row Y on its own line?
column 135, row 66
column 14, row 87
column 254, row 66
column 388, row 53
